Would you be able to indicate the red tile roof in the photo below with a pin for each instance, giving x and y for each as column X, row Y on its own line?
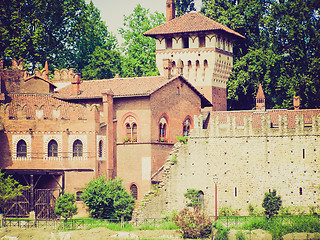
column 190, row 22
column 123, row 87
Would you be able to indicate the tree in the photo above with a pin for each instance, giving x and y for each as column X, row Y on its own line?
column 108, row 199
column 193, row 195
column 184, row 6
column 139, row 51
column 103, row 64
column 271, row 203
column 10, row 189
column 65, row 206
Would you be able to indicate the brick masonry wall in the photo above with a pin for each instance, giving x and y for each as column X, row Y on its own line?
column 248, row 162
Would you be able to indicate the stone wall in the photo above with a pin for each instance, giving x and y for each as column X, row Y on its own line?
column 250, row 156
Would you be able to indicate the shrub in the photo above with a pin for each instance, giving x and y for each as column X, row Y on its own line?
column 222, row 232
column 108, row 199
column 271, row 203
column 65, row 206
column 182, row 139
column 240, row 235
column 193, row 195
column 227, row 211
column 255, row 210
column 193, row 224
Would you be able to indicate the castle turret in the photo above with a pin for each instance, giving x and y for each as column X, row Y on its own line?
column 205, row 49
column 260, row 99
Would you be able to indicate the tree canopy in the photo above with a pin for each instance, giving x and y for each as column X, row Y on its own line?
column 281, row 50
column 139, row 51
column 271, row 203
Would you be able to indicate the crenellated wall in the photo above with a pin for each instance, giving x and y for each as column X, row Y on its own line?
column 251, row 153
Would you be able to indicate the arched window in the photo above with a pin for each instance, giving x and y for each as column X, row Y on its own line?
column 163, row 130
column 78, row 196
column 21, row 148
column 201, row 199
column 134, row 191
column 100, row 149
column 77, row 148
column 131, row 130
column 52, row 148
column 186, row 127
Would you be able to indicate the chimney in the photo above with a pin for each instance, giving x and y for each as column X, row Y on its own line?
column 296, row 102
column 75, row 82
column 171, row 10
column 167, row 65
column 260, row 99
column 47, row 70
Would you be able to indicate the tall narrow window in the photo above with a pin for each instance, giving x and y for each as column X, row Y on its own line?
column 201, row 199
column 235, row 192
column 168, row 43
column 100, row 149
column 128, row 127
column 162, row 130
column 21, row 148
column 202, row 41
column 52, row 148
column 185, row 42
column 300, row 191
column 131, row 130
column 134, row 131
column 303, row 153
column 77, row 148
column 134, row 191
column 186, row 127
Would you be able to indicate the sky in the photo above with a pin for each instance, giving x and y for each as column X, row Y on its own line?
column 112, row 11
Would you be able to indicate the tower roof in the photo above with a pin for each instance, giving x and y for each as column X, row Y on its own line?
column 188, row 23
column 260, row 93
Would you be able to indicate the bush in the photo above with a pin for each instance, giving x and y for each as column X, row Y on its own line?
column 240, row 235
column 182, row 139
column 193, row 195
column 193, row 224
column 227, row 211
column 65, row 206
column 108, row 199
column 255, row 210
column 271, row 203
column 222, row 232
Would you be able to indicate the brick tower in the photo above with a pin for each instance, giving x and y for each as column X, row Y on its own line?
column 203, row 47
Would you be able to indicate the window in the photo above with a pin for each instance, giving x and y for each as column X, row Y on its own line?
column 235, row 192
column 78, row 195
column 52, row 148
column 202, row 41
column 201, row 199
column 21, row 148
column 134, row 131
column 77, row 148
column 186, row 127
column 303, row 153
column 162, row 129
column 134, row 191
column 300, row 191
column 168, row 43
column 185, row 42
column 100, row 149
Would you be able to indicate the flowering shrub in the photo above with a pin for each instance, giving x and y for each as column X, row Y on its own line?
column 163, row 139
column 126, row 139
column 193, row 224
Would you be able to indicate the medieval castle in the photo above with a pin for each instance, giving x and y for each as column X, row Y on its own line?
column 58, row 134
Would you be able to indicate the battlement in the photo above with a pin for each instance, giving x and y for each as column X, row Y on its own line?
column 259, row 123
column 64, row 75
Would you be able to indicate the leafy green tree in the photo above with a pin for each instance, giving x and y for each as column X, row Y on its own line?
column 184, row 6
column 271, row 203
column 10, row 189
column 108, row 199
column 103, row 64
column 138, row 50
column 65, row 206
column 193, row 195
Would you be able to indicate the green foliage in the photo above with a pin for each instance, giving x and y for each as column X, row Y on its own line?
column 314, row 210
column 10, row 189
column 222, row 232
column 184, row 6
column 227, row 211
column 271, row 203
column 65, row 206
column 193, row 224
column 174, row 159
column 108, row 199
column 193, row 196
column 280, row 51
column 138, row 50
column 255, row 210
column 182, row 139
column 240, row 235
column 103, row 64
